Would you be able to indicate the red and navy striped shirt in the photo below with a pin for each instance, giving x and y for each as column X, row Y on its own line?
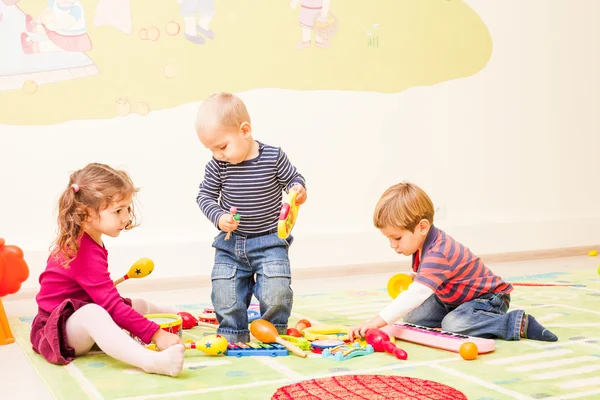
column 453, row 272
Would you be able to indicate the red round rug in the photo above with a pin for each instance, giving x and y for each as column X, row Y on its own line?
column 368, row 387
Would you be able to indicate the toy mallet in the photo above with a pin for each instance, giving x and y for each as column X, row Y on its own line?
column 236, row 217
column 381, row 342
column 266, row 332
column 140, row 269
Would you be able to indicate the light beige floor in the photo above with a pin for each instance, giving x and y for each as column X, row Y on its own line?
column 20, row 381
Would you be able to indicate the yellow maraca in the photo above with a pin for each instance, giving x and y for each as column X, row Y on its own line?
column 213, row 345
column 288, row 215
column 140, row 269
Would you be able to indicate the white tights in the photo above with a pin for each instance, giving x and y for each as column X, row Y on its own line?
column 92, row 324
column 145, row 307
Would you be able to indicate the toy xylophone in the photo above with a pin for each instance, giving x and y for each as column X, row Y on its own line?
column 256, row 349
column 437, row 338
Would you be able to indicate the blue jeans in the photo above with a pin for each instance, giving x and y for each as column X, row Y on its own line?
column 484, row 317
column 246, row 266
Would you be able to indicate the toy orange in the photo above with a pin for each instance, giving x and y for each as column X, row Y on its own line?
column 468, row 351
column 397, row 284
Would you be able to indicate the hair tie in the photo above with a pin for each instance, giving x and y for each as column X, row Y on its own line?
column 75, row 187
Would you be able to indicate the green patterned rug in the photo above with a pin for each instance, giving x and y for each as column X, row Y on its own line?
column 568, row 369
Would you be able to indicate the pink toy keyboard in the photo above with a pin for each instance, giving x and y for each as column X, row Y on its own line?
column 437, row 338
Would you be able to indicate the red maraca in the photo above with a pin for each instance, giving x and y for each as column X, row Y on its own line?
column 188, row 321
column 381, row 342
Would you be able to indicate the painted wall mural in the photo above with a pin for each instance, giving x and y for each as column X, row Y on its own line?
column 64, row 60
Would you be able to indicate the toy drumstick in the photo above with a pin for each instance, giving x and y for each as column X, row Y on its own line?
column 266, row 332
column 236, row 217
column 140, row 269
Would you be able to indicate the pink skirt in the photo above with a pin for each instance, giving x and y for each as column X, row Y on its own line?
column 308, row 15
column 78, row 43
column 49, row 334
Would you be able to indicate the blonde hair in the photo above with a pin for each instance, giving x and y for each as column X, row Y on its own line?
column 93, row 188
column 221, row 110
column 403, row 206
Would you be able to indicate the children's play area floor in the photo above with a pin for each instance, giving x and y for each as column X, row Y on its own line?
column 567, row 369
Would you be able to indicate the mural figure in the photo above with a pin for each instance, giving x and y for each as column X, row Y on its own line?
column 315, row 16
column 58, row 38
column 60, row 27
column 197, row 16
column 150, row 63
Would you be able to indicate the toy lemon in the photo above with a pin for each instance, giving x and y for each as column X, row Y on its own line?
column 397, row 284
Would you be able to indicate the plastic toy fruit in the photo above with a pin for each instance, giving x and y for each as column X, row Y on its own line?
column 468, row 351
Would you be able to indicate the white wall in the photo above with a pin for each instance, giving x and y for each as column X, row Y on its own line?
column 511, row 152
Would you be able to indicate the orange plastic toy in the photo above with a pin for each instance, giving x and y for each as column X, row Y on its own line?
column 468, row 351
column 13, row 272
column 266, row 332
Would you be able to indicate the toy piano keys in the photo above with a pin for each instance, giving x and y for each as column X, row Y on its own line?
column 437, row 338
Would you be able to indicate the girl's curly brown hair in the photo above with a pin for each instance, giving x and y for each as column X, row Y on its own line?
column 91, row 189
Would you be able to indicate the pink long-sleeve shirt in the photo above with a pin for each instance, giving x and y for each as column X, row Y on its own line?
column 87, row 279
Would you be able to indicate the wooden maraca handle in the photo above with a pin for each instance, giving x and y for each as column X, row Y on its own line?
column 291, row 347
column 188, row 346
column 122, row 279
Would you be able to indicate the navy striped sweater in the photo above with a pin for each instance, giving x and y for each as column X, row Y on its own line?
column 254, row 187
